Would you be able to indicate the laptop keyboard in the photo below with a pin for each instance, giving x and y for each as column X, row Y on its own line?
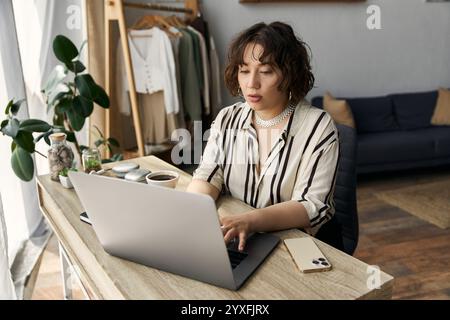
column 236, row 257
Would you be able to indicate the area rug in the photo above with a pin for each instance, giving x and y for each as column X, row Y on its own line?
column 428, row 201
column 27, row 257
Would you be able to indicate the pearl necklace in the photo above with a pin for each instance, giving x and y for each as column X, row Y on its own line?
column 274, row 121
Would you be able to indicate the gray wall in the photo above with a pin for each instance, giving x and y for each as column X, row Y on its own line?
column 411, row 52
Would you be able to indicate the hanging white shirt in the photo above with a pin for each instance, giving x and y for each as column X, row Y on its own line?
column 153, row 66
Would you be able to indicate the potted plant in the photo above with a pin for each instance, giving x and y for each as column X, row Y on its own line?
column 91, row 160
column 70, row 94
column 64, row 177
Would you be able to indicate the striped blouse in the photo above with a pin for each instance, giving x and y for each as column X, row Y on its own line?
column 301, row 165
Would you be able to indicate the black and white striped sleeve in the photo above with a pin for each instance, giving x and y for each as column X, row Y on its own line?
column 210, row 168
column 316, row 178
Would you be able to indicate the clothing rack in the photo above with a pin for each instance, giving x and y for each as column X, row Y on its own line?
column 114, row 11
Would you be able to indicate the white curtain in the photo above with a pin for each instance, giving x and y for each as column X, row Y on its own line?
column 20, row 206
column 7, row 291
column 37, row 23
column 26, row 60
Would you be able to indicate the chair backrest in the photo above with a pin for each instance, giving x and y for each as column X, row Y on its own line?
column 342, row 230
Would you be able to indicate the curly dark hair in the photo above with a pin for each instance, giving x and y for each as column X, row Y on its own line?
column 282, row 49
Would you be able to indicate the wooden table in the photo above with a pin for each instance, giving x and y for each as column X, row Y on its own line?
column 107, row 277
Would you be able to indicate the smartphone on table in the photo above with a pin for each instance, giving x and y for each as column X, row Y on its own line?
column 307, row 255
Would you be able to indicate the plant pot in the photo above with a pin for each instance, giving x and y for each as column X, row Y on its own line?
column 65, row 181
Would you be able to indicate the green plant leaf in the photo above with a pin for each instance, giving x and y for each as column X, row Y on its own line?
column 99, row 142
column 117, row 157
column 12, row 128
column 83, row 44
column 64, row 105
column 25, row 140
column 8, row 107
column 83, row 106
column 22, row 164
column 92, row 164
column 4, row 123
column 101, row 98
column 63, row 172
column 47, row 139
column 57, row 75
column 57, row 90
column 113, row 142
column 76, row 66
column 70, row 136
column 58, row 118
column 87, row 86
column 114, row 158
column 76, row 121
column 16, row 106
column 58, row 98
column 13, row 146
column 53, row 96
column 64, row 49
column 99, row 132
column 39, row 137
column 34, row 125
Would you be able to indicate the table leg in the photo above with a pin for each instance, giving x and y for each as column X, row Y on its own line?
column 65, row 273
column 68, row 273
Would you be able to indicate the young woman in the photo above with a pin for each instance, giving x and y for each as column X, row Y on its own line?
column 274, row 151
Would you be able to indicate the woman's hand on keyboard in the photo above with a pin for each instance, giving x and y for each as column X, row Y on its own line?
column 237, row 226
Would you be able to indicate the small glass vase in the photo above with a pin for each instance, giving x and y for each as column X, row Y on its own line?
column 91, row 160
column 60, row 155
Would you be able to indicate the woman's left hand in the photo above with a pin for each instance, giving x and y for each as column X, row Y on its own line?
column 237, row 226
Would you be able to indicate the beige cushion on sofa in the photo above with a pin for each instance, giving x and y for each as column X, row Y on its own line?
column 441, row 115
column 339, row 110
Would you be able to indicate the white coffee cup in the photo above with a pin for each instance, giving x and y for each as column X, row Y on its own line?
column 163, row 178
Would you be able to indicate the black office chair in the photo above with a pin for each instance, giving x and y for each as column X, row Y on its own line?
column 342, row 230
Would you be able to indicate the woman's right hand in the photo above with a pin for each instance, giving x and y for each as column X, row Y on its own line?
column 237, row 226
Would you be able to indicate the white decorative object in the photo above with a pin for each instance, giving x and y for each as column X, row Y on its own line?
column 65, row 181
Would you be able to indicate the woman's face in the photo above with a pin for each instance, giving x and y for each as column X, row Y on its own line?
column 259, row 82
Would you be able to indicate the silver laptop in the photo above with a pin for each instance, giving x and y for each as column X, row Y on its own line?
column 167, row 229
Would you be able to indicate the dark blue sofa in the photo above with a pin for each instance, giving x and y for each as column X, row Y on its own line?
column 394, row 132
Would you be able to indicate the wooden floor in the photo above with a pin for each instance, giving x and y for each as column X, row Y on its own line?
column 49, row 280
column 415, row 252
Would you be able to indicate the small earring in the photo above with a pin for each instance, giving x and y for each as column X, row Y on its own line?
column 290, row 95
